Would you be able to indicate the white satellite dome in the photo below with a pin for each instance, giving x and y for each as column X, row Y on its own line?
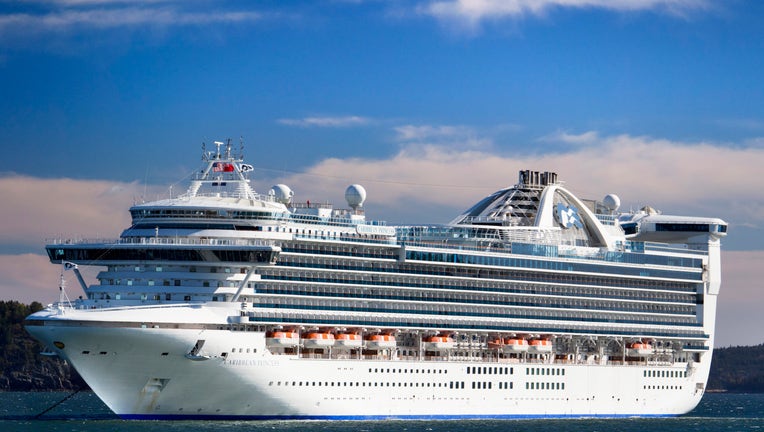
column 282, row 193
column 611, row 202
column 355, row 195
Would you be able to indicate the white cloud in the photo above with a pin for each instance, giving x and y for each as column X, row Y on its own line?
column 428, row 132
column 28, row 277
column 589, row 137
column 326, row 122
column 471, row 13
column 420, row 138
column 35, row 210
column 82, row 15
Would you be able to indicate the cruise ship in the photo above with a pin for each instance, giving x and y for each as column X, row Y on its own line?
column 225, row 303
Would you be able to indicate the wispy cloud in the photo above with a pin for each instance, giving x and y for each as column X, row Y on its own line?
column 589, row 137
column 326, row 122
column 471, row 14
column 428, row 132
column 46, row 17
column 418, row 138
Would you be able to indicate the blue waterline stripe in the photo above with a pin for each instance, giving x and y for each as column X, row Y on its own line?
column 387, row 417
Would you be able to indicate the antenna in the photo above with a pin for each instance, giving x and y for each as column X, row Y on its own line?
column 218, row 144
column 63, row 299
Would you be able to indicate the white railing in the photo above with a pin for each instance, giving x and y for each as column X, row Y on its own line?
column 174, row 241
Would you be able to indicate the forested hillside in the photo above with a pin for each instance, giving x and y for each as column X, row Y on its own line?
column 738, row 369
column 22, row 368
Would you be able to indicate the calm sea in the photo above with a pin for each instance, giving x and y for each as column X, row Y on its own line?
column 85, row 412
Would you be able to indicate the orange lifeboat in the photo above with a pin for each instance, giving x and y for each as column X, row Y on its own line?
column 317, row 340
column 349, row 340
column 497, row 343
column 641, row 348
column 380, row 341
column 540, row 345
column 515, row 345
column 282, row 338
column 438, row 342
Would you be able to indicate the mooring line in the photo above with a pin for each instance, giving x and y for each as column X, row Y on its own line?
column 69, row 396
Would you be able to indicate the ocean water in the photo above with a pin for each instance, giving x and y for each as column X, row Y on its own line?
column 85, row 412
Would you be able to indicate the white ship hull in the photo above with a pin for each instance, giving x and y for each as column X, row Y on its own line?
column 141, row 373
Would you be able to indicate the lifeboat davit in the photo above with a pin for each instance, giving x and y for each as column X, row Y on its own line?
column 540, row 345
column 639, row 349
column 317, row 340
column 282, row 338
column 348, row 340
column 380, row 341
column 437, row 343
column 515, row 345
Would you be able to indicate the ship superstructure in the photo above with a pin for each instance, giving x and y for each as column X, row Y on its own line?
column 226, row 303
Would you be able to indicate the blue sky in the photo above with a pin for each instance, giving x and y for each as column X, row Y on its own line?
column 429, row 104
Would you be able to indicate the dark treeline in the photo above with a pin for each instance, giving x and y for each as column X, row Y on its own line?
column 22, row 368
column 738, row 369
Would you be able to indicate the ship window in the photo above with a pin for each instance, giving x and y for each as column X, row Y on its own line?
column 159, row 269
column 151, row 283
column 129, row 282
column 187, row 298
column 177, row 282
